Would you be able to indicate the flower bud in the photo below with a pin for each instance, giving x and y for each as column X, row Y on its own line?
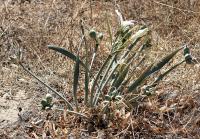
column 49, row 98
column 100, row 36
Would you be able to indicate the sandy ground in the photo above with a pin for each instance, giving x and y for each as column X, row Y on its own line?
column 12, row 97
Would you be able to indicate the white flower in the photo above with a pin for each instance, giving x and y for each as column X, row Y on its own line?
column 126, row 22
column 119, row 16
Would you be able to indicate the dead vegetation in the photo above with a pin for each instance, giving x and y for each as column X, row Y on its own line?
column 173, row 110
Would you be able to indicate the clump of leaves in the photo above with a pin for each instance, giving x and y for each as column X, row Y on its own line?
column 117, row 73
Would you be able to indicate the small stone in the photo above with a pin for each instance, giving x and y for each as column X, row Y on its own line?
column 21, row 80
column 14, row 66
column 1, row 93
column 6, row 96
column 5, row 70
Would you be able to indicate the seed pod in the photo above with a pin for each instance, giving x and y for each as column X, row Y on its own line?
column 44, row 104
column 118, row 97
column 188, row 58
column 93, row 34
column 108, row 98
column 186, row 50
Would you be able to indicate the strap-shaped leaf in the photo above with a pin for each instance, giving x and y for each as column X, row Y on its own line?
column 161, row 76
column 53, row 90
column 152, row 69
column 164, row 61
column 140, row 79
column 75, row 82
column 104, row 83
column 66, row 53
column 132, row 41
column 95, row 83
column 125, row 82
column 121, row 77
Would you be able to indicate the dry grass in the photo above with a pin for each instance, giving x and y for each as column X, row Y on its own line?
column 173, row 112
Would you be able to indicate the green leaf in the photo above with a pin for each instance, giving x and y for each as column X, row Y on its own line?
column 161, row 76
column 152, row 69
column 66, row 53
column 139, row 80
column 120, row 78
column 75, row 82
column 104, row 81
column 138, row 35
column 95, row 83
column 164, row 61
column 86, row 87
